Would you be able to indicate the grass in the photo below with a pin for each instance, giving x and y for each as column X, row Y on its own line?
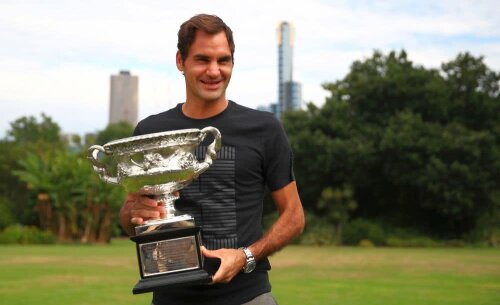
column 76, row 274
column 329, row 275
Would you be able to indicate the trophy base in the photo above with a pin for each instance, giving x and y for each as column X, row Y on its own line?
column 187, row 278
column 169, row 256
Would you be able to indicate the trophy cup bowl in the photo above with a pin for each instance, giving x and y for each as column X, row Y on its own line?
column 158, row 165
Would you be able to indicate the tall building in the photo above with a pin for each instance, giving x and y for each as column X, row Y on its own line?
column 289, row 91
column 124, row 98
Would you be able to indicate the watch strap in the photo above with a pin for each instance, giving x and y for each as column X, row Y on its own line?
column 250, row 263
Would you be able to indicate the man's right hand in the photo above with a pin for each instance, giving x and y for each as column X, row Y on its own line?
column 137, row 209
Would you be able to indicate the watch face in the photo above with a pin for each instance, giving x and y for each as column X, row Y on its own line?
column 250, row 266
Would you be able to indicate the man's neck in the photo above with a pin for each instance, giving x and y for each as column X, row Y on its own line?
column 203, row 109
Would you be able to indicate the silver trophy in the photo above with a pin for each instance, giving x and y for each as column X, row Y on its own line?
column 158, row 165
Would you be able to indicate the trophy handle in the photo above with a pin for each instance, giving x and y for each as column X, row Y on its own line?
column 212, row 150
column 98, row 166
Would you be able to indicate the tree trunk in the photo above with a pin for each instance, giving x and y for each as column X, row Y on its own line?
column 105, row 227
column 61, row 229
column 339, row 233
column 44, row 209
column 89, row 231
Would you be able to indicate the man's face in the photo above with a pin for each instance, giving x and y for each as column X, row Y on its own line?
column 207, row 68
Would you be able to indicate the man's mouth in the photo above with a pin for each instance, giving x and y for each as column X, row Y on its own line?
column 211, row 84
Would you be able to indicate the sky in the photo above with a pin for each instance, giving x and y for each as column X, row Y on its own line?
column 57, row 57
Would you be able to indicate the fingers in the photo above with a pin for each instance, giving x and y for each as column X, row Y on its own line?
column 224, row 274
column 209, row 253
column 137, row 221
column 144, row 208
column 232, row 262
column 147, row 201
column 145, row 212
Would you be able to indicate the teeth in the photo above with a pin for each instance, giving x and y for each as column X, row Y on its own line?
column 210, row 82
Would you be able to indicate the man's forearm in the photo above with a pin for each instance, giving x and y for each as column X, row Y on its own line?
column 286, row 228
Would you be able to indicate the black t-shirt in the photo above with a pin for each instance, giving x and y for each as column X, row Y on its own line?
column 226, row 200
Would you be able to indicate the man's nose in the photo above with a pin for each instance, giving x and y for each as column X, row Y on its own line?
column 213, row 69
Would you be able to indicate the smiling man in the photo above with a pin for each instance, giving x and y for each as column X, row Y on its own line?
column 227, row 200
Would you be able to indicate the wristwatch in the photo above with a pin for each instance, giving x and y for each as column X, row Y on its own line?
column 250, row 264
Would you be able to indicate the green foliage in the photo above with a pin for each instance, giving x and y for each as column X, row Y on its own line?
column 17, row 234
column 318, row 231
column 26, row 130
column 418, row 147
column 336, row 204
column 420, row 242
column 114, row 131
column 366, row 243
column 49, row 183
column 362, row 229
column 6, row 215
column 26, row 135
column 80, row 205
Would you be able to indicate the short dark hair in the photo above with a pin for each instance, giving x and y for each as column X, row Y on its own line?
column 208, row 23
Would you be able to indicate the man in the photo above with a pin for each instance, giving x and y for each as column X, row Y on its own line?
column 227, row 200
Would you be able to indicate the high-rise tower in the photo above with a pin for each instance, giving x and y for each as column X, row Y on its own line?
column 289, row 91
column 124, row 98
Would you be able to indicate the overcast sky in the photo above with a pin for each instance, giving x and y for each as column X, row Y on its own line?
column 56, row 57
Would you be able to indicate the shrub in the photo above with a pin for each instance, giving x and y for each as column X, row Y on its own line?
column 6, row 215
column 486, row 237
column 361, row 229
column 318, row 231
column 366, row 243
column 456, row 243
column 420, row 241
column 17, row 234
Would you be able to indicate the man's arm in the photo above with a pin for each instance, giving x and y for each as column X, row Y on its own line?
column 289, row 225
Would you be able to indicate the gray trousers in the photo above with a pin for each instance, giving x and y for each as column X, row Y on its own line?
column 263, row 299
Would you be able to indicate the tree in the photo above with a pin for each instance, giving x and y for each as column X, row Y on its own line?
column 337, row 204
column 114, row 131
column 72, row 202
column 64, row 192
column 27, row 134
column 418, row 146
column 28, row 131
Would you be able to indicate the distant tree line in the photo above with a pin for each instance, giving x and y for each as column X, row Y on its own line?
column 405, row 147
column 47, row 182
column 396, row 150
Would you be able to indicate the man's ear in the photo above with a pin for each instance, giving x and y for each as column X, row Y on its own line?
column 178, row 61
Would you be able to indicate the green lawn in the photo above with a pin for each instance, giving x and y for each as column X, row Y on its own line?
column 71, row 274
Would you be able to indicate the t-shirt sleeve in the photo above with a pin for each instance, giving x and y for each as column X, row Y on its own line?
column 137, row 130
column 279, row 158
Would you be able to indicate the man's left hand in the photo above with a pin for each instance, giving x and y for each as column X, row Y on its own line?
column 232, row 262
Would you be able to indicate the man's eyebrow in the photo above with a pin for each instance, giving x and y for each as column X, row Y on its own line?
column 201, row 56
column 225, row 58
column 206, row 57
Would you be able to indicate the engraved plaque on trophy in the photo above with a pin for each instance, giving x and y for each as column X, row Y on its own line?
column 158, row 165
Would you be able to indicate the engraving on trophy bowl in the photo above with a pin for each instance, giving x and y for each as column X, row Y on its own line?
column 157, row 164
